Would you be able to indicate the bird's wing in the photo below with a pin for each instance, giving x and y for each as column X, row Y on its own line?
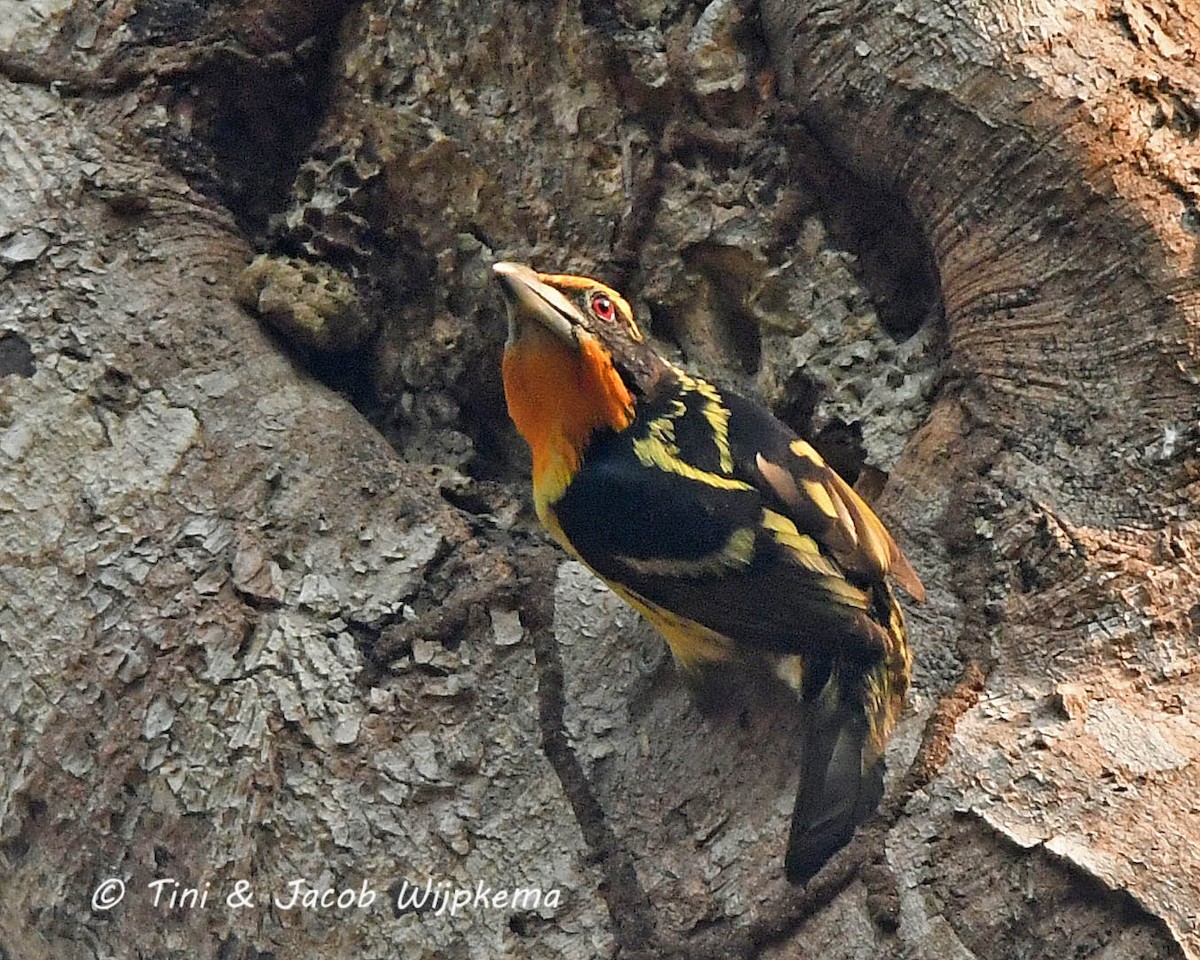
column 796, row 480
column 666, row 512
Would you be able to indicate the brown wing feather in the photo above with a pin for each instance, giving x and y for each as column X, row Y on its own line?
column 843, row 521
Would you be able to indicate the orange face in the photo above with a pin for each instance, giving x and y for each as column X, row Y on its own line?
column 560, row 379
column 558, row 393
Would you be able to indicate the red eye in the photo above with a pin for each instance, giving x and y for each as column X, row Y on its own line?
column 603, row 308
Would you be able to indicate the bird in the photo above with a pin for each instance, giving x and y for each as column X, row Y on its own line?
column 719, row 524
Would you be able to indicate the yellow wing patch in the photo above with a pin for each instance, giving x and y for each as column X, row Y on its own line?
column 805, row 550
column 805, row 547
column 817, row 493
column 857, row 538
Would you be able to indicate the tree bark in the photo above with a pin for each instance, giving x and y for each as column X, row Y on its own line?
column 273, row 604
column 1051, row 158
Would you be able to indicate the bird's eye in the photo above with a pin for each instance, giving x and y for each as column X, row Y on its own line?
column 604, row 308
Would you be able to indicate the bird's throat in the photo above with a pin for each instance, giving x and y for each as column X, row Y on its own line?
column 558, row 395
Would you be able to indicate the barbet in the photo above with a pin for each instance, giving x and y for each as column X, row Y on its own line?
column 723, row 528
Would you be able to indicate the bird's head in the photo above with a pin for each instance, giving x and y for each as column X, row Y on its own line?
column 574, row 363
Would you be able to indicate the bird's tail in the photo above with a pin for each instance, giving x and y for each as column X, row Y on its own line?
column 849, row 716
column 841, row 783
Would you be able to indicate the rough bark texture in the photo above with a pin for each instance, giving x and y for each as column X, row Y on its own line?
column 274, row 606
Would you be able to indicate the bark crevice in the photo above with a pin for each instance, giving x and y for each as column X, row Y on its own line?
column 628, row 906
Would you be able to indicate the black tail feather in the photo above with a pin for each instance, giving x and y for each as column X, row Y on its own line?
column 840, row 787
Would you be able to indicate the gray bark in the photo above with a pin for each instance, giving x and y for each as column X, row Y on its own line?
column 273, row 604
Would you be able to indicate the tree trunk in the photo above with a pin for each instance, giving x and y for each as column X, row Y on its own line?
column 273, row 603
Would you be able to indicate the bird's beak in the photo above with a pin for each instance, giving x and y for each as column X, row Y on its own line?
column 533, row 304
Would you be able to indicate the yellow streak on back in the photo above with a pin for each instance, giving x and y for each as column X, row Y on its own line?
column 737, row 551
column 715, row 412
column 654, row 450
column 659, row 449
